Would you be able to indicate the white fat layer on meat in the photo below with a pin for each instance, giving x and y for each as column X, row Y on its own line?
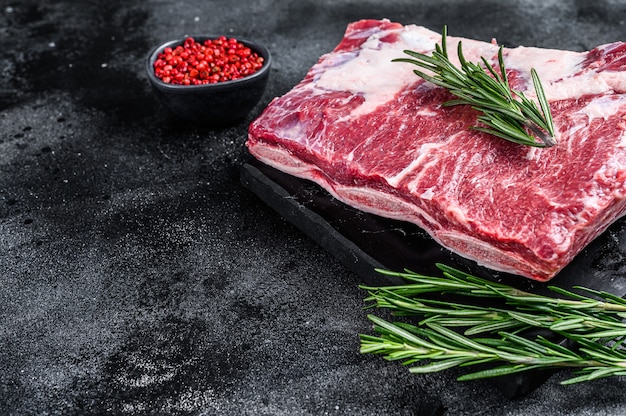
column 603, row 106
column 599, row 107
column 609, row 172
column 534, row 153
column 371, row 73
column 554, row 68
column 428, row 194
column 365, row 199
column 481, row 252
column 562, row 74
column 550, row 64
column 420, row 160
column 622, row 142
column 380, row 203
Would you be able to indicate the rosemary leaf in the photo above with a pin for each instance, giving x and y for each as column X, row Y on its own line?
column 497, row 372
column 436, row 366
column 444, row 333
column 507, row 113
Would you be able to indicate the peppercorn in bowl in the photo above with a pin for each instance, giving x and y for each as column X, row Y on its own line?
column 209, row 79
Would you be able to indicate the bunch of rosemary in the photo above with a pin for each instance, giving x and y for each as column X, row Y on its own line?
column 467, row 331
column 506, row 113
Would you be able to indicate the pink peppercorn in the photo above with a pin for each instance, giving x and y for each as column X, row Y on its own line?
column 208, row 62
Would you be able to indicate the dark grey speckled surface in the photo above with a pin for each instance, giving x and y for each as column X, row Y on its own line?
column 137, row 275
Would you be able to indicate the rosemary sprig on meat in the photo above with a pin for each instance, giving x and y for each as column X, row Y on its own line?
column 506, row 113
column 495, row 324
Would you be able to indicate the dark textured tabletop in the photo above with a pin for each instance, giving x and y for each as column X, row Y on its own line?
column 138, row 276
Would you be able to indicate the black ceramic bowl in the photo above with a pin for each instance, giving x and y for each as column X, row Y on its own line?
column 221, row 103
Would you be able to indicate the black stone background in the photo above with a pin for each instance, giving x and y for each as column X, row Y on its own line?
column 138, row 276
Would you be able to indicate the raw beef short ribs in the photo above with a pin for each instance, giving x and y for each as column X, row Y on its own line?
column 376, row 136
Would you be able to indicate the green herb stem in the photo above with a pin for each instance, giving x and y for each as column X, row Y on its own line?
column 469, row 330
column 506, row 113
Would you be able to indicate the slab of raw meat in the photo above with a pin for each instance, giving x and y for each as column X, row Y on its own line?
column 376, row 137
